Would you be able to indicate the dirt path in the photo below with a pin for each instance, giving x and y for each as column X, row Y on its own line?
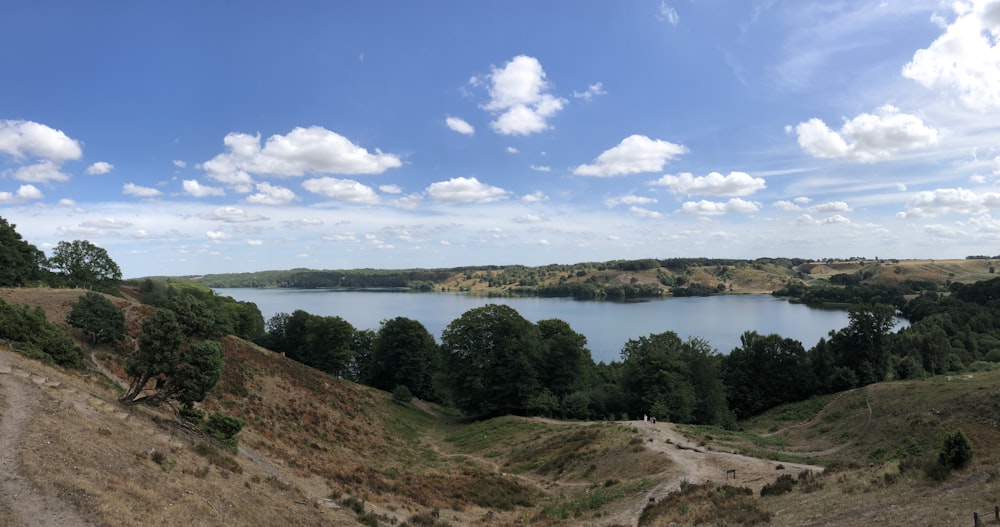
column 693, row 464
column 29, row 506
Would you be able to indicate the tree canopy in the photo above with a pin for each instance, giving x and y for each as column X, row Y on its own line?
column 99, row 318
column 84, row 264
column 20, row 262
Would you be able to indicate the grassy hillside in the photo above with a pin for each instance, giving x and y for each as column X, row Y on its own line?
column 317, row 450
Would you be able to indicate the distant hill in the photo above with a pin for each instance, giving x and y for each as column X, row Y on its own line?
column 626, row 278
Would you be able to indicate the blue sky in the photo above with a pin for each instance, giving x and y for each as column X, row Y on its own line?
column 207, row 137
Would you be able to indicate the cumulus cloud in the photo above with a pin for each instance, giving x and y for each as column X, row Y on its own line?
column 534, row 197
column 24, row 193
column 716, row 208
column 512, row 150
column 192, row 187
column 520, row 97
column 540, row 168
column 216, row 236
column 635, row 154
column 341, row 189
column 867, row 137
column 313, row 150
column 965, row 59
column 42, row 172
column 465, row 190
column 714, row 184
column 179, row 164
column 830, row 207
column 268, row 194
column 100, row 167
column 28, row 139
column 459, row 125
column 950, row 201
column 132, row 189
column 629, row 200
column 391, row 189
column 592, row 91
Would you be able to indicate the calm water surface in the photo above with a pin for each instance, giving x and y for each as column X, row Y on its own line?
column 607, row 325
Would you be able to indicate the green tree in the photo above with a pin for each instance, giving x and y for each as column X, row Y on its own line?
column 956, row 451
column 84, row 264
column 492, row 355
column 20, row 262
column 862, row 345
column 99, row 318
column 404, row 353
column 158, row 356
column 766, row 371
column 676, row 380
column 565, row 358
column 200, row 369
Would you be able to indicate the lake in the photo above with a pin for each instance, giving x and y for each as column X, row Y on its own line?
column 607, row 325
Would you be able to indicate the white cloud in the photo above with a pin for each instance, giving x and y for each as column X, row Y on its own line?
column 668, row 14
column 302, row 222
column 408, row 202
column 540, row 168
column 786, row 206
column 66, row 202
column 255, row 243
column 268, row 194
column 459, row 125
column 42, row 172
column 391, row 189
column 465, row 190
column 629, row 200
column 132, row 189
column 867, row 137
column 714, row 184
column 950, row 201
column 519, row 96
column 23, row 139
column 341, row 189
column 216, row 236
column 534, row 197
column 24, row 193
column 592, row 91
column 965, row 59
column 231, row 215
column 100, row 167
column 832, row 206
column 715, row 208
column 635, row 154
column 192, row 187
column 836, row 218
column 107, row 223
column 512, row 150
column 529, row 218
column 645, row 213
column 179, row 164
column 313, row 150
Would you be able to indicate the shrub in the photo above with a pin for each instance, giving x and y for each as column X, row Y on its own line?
column 401, row 394
column 223, row 428
column 784, row 484
column 956, row 451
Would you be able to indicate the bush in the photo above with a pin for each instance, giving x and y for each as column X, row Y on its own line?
column 30, row 333
column 223, row 428
column 956, row 451
column 401, row 394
